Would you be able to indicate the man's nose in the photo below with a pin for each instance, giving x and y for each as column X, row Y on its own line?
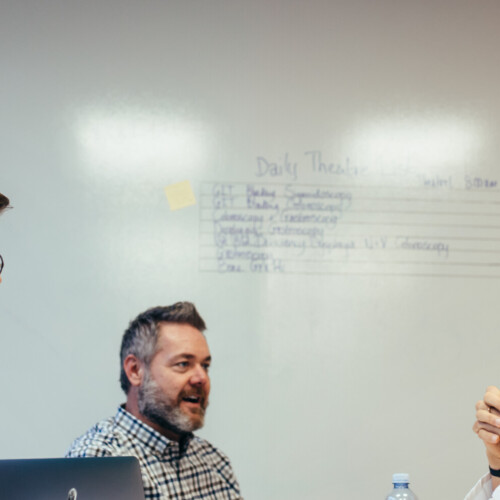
column 199, row 376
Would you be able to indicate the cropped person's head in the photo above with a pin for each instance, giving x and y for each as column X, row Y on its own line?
column 4, row 202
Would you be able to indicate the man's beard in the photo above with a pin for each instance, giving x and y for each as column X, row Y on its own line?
column 164, row 411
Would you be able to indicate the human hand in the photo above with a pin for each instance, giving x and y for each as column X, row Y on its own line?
column 487, row 425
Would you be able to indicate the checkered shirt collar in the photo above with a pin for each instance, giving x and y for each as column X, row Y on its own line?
column 146, row 435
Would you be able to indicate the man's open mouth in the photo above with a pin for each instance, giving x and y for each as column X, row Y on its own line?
column 192, row 399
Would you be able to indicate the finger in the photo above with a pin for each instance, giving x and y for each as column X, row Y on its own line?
column 481, row 405
column 492, row 397
column 487, row 427
column 488, row 437
column 493, row 389
column 486, row 413
column 487, row 417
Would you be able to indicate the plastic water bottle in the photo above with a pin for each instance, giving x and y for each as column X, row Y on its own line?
column 401, row 491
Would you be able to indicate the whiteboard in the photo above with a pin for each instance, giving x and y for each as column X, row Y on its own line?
column 337, row 226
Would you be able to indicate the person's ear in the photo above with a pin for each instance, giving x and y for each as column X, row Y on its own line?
column 134, row 370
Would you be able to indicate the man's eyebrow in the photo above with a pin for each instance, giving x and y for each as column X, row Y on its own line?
column 189, row 356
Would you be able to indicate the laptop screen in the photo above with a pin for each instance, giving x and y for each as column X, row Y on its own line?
column 106, row 478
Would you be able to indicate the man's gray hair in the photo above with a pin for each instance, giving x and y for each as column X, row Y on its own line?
column 141, row 336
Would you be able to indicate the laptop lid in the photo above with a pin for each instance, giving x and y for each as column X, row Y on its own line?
column 105, row 478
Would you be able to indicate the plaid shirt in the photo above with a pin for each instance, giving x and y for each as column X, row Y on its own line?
column 193, row 469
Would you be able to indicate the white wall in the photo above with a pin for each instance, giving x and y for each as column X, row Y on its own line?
column 335, row 368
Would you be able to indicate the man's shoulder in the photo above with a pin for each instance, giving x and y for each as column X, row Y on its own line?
column 103, row 439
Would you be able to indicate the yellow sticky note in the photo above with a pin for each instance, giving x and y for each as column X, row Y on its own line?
column 180, row 195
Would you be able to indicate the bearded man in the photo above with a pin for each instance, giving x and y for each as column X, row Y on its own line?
column 164, row 373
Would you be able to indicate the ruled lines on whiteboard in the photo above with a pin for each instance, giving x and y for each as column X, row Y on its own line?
column 325, row 229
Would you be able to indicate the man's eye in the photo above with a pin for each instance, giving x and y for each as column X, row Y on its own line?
column 183, row 364
column 206, row 366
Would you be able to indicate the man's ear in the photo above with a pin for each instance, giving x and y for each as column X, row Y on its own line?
column 134, row 370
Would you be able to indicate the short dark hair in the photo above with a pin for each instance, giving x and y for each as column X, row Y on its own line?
column 140, row 338
column 4, row 202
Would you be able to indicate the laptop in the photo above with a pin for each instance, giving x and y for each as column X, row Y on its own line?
column 105, row 478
